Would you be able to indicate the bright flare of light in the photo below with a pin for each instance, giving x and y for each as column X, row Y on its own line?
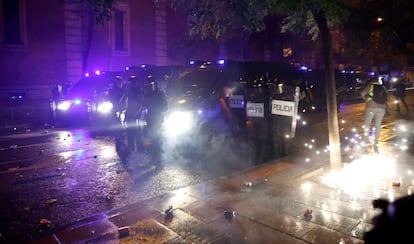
column 354, row 178
column 403, row 128
column 105, row 107
column 179, row 122
column 64, row 105
column 306, row 187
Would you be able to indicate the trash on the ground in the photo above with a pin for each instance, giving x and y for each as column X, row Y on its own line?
column 169, row 212
column 109, row 197
column 51, row 200
column 13, row 146
column 123, row 231
column 308, row 214
column 396, row 183
column 44, row 224
column 229, row 214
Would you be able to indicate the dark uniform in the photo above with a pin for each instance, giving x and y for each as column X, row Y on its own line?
column 400, row 96
column 156, row 103
column 280, row 126
column 116, row 94
column 259, row 125
column 134, row 105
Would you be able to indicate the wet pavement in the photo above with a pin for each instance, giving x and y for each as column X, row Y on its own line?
column 296, row 199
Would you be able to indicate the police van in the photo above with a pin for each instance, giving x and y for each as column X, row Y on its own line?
column 230, row 100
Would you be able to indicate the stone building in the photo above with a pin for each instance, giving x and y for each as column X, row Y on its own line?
column 45, row 42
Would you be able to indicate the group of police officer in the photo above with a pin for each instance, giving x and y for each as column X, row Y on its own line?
column 140, row 99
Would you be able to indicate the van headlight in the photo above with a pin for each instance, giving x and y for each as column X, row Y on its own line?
column 105, row 107
column 64, row 105
column 179, row 122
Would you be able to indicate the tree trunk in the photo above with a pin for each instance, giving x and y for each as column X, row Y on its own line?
column 333, row 127
column 88, row 43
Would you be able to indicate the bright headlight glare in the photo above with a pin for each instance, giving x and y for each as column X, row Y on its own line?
column 105, row 107
column 179, row 122
column 64, row 105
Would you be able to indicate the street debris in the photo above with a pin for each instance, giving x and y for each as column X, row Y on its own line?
column 308, row 214
column 169, row 212
column 13, row 146
column 123, row 232
column 229, row 214
column 44, row 224
column 396, row 183
column 51, row 201
column 109, row 197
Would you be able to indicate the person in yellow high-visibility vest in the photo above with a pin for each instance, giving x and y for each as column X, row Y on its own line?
column 374, row 110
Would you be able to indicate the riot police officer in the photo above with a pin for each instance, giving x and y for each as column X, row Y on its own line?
column 134, row 105
column 156, row 103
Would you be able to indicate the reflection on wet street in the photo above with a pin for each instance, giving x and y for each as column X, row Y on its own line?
column 65, row 175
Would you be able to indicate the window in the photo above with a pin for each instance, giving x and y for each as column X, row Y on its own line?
column 120, row 44
column 12, row 22
column 120, row 30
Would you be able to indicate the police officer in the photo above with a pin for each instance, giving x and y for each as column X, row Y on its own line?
column 134, row 105
column 116, row 94
column 258, row 94
column 156, row 103
column 280, row 126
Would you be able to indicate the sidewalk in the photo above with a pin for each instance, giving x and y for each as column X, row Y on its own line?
column 284, row 201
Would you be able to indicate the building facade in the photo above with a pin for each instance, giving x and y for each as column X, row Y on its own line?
column 45, row 42
column 48, row 41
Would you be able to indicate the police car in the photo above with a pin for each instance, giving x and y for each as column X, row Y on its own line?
column 85, row 102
